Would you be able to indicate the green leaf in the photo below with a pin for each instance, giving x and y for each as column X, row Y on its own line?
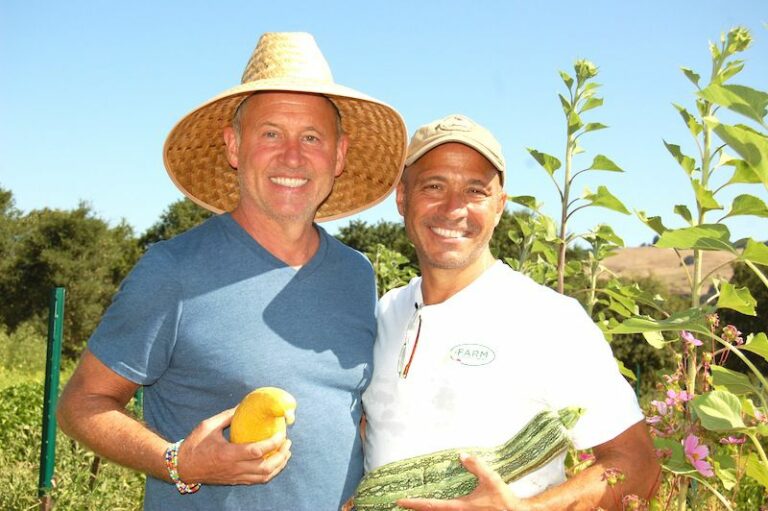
column 746, row 204
column 593, row 126
column 757, row 470
column 705, row 197
column 566, row 104
column 574, row 122
column 693, row 126
column 756, row 252
column 653, row 222
column 693, row 77
column 655, row 339
column 604, row 199
column 740, row 299
column 626, row 372
column 592, row 103
column 725, row 469
column 692, row 320
column 702, row 237
column 743, row 172
column 566, row 79
column 757, row 344
column 605, row 232
column 730, row 69
column 528, row 201
column 748, row 143
column 732, row 381
column 684, row 212
column 686, row 162
column 744, row 100
column 549, row 162
column 604, row 163
column 676, row 463
column 719, row 411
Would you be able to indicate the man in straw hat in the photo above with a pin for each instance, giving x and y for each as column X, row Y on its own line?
column 257, row 296
column 470, row 351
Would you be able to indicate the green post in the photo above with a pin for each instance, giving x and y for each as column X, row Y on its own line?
column 52, row 365
column 638, row 372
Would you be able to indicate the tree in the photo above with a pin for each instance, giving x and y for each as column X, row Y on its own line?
column 73, row 249
column 180, row 216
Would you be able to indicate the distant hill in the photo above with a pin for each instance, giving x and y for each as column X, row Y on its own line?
column 664, row 265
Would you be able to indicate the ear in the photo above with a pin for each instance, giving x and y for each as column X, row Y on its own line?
column 341, row 155
column 230, row 140
column 400, row 198
column 502, row 201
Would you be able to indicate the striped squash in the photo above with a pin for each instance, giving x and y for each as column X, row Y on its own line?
column 440, row 475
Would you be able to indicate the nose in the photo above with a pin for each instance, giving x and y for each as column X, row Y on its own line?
column 454, row 205
column 292, row 156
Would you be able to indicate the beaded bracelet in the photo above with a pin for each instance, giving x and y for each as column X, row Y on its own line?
column 172, row 464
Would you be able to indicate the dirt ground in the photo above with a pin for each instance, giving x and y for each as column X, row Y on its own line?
column 665, row 265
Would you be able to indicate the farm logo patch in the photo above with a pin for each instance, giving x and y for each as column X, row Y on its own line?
column 472, row 354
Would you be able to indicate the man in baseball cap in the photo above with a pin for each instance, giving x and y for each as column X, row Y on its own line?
column 259, row 295
column 471, row 351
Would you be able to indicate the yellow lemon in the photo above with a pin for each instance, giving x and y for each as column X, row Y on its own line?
column 261, row 414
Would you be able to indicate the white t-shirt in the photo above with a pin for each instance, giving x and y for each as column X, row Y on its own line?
column 488, row 359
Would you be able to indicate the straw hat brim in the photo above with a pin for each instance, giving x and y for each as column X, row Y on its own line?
column 195, row 154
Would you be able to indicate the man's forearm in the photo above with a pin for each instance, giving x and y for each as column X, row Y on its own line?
column 624, row 466
column 103, row 426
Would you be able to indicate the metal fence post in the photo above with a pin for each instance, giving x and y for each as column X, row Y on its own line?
column 52, row 366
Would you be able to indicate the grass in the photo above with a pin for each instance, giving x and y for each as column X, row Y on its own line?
column 22, row 376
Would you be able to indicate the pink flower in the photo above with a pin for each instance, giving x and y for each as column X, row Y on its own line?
column 613, row 476
column 690, row 339
column 677, row 398
column 696, row 454
column 585, row 456
column 655, row 419
column 732, row 440
column 661, row 407
column 731, row 334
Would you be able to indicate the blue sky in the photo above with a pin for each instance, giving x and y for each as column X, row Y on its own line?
column 90, row 89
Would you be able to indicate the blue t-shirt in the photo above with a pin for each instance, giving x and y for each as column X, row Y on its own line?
column 207, row 317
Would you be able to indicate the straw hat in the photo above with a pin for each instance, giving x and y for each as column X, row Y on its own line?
column 194, row 152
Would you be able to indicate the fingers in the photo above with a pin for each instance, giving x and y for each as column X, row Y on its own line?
column 480, row 468
column 263, row 470
column 220, row 421
column 264, row 447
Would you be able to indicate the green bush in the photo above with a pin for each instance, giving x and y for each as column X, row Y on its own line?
column 75, row 487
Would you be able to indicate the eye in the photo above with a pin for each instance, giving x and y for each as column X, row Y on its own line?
column 270, row 134
column 478, row 192
column 312, row 139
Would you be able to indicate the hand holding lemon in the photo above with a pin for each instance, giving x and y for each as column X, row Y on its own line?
column 261, row 414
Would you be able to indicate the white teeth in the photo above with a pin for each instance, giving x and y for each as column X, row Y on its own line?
column 290, row 182
column 447, row 233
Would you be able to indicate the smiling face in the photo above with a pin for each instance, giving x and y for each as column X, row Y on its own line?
column 451, row 200
column 287, row 155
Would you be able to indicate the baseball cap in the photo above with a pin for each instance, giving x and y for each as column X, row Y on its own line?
column 456, row 128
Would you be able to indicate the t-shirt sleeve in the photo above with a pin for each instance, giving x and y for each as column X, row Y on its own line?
column 137, row 333
column 585, row 373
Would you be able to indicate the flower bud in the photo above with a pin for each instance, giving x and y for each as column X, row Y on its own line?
column 584, row 70
column 738, row 40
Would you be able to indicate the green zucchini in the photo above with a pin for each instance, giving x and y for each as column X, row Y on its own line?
column 440, row 475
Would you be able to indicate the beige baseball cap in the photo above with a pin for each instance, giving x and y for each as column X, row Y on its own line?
column 456, row 128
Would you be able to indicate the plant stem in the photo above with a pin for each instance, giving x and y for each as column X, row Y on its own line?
column 759, row 274
column 564, row 216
